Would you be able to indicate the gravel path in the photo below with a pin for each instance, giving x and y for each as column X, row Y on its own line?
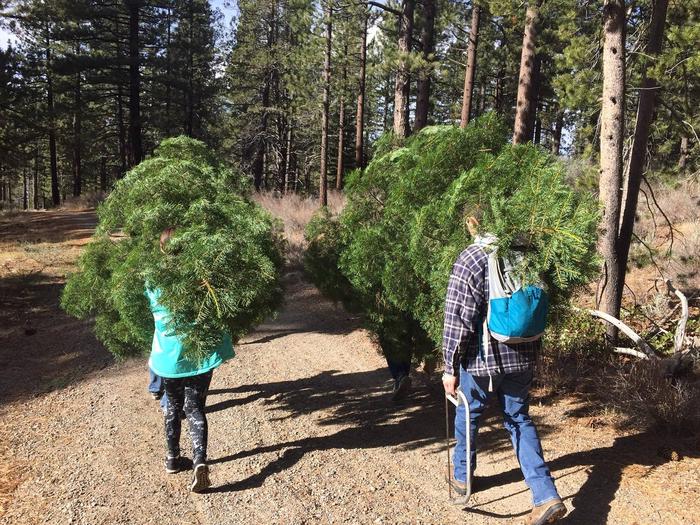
column 301, row 431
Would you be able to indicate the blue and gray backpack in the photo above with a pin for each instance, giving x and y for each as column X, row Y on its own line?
column 515, row 313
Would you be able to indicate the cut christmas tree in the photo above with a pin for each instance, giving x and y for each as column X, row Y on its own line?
column 404, row 226
column 219, row 272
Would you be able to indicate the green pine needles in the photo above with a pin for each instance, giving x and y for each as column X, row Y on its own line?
column 220, row 271
column 390, row 252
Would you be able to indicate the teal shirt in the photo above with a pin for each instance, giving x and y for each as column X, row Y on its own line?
column 167, row 359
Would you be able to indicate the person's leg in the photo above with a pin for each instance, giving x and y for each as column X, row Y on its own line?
column 195, row 392
column 476, row 391
column 514, row 397
column 155, row 383
column 195, row 396
column 174, row 388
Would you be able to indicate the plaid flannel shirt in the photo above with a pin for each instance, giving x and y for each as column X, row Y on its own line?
column 465, row 311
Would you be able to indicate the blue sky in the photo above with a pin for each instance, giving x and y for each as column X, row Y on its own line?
column 226, row 6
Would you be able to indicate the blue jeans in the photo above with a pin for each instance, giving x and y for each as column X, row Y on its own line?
column 155, row 386
column 513, row 392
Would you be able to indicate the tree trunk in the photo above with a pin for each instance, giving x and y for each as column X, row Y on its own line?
column 55, row 192
column 135, row 145
column 387, row 103
column 402, row 86
column 288, row 160
column 190, row 72
column 121, row 128
column 168, row 81
column 341, row 124
column 611, row 143
column 25, row 189
column 470, row 72
column 522, row 131
column 534, row 98
column 258, row 165
column 556, row 136
column 683, row 156
column 77, row 135
column 36, row 177
column 323, row 183
column 427, row 43
column 103, row 173
column 360, row 116
column 645, row 113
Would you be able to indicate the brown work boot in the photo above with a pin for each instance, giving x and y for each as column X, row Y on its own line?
column 549, row 512
column 460, row 487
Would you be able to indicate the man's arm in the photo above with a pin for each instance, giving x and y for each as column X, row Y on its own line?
column 462, row 310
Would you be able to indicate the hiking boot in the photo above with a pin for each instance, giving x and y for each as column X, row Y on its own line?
column 175, row 465
column 460, row 487
column 401, row 389
column 548, row 512
column 200, row 479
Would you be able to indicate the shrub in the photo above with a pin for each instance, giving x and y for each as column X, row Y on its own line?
column 220, row 272
column 403, row 226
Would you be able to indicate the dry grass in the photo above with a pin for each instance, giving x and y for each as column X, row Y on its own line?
column 86, row 201
column 643, row 395
column 666, row 251
column 296, row 211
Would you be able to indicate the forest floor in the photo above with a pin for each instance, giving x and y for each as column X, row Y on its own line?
column 301, row 426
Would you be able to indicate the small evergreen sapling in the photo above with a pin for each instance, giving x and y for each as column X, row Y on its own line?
column 220, row 271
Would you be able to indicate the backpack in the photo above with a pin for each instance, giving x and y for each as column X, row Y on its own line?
column 515, row 313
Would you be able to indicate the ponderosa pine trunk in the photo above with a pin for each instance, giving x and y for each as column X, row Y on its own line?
column 103, row 173
column 360, row 116
column 121, row 128
column 645, row 114
column 611, row 162
column 25, row 189
column 340, row 164
column 135, row 144
column 168, row 81
column 323, row 183
column 77, row 134
column 36, row 177
column 556, row 134
column 190, row 71
column 470, row 72
column 683, row 153
column 288, row 152
column 402, row 85
column 525, row 105
column 424, row 81
column 53, row 162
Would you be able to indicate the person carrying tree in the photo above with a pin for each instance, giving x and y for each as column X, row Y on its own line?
column 481, row 365
column 185, row 382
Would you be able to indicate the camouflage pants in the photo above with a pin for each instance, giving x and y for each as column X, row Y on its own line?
column 187, row 394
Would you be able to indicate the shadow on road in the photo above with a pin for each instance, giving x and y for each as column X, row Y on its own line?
column 360, row 401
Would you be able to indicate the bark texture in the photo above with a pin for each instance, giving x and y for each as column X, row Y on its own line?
column 611, row 142
column 135, row 145
column 323, row 183
column 360, row 116
column 645, row 115
column 424, row 82
column 525, row 105
column 402, row 86
column 470, row 72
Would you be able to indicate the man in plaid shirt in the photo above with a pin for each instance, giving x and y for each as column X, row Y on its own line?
column 504, row 369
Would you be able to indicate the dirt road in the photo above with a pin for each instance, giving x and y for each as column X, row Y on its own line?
column 301, row 427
